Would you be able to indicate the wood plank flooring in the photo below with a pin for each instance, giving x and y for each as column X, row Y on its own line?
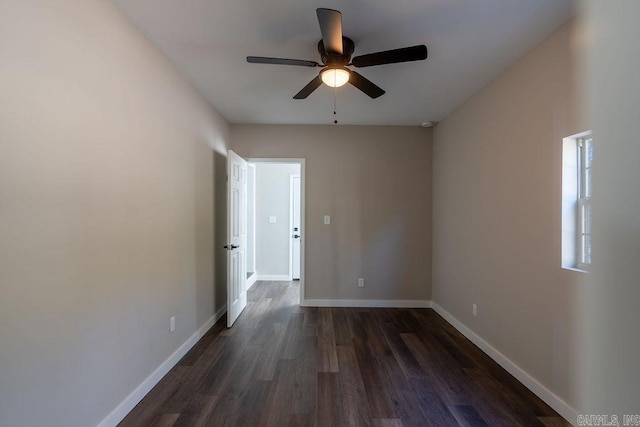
column 286, row 365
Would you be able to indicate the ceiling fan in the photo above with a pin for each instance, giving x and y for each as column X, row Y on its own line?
column 335, row 53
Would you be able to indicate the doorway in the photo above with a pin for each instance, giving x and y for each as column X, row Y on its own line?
column 276, row 230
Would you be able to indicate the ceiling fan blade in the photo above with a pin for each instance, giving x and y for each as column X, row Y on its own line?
column 309, row 88
column 281, row 61
column 365, row 85
column 405, row 54
column 331, row 28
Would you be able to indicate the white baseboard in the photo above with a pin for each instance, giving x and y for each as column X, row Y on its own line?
column 551, row 399
column 250, row 281
column 274, row 277
column 366, row 303
column 141, row 391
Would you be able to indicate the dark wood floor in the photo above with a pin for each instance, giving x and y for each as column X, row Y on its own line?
column 286, row 365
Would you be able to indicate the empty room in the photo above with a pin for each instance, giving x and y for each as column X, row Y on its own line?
column 319, row 213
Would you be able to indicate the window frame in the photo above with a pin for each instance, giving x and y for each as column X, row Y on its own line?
column 576, row 202
column 584, row 210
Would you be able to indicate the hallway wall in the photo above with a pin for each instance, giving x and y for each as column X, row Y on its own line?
column 106, row 213
column 497, row 196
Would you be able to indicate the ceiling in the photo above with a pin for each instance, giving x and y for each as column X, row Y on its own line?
column 470, row 42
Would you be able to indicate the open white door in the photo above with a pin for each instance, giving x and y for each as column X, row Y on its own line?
column 236, row 236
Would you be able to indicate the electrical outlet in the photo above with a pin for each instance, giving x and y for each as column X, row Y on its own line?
column 474, row 310
column 361, row 282
column 172, row 324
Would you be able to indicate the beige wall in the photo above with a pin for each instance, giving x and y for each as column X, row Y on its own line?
column 106, row 211
column 497, row 213
column 375, row 182
column 611, row 380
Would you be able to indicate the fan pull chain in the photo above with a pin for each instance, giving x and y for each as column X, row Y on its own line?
column 335, row 115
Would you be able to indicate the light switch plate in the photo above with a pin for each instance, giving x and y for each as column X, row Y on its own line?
column 327, row 219
column 272, row 220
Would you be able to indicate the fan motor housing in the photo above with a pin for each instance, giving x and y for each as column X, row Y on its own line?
column 332, row 59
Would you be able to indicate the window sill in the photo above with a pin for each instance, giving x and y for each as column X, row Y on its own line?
column 577, row 270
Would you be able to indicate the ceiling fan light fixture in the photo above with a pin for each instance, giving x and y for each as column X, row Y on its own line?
column 335, row 54
column 335, row 77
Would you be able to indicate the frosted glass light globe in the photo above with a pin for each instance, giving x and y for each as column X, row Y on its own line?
column 335, row 77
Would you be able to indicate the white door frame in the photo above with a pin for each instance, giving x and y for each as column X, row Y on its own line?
column 251, row 280
column 292, row 178
column 301, row 162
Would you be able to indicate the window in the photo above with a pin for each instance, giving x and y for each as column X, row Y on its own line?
column 577, row 161
column 585, row 161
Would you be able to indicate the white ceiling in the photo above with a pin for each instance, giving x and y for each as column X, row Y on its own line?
column 470, row 42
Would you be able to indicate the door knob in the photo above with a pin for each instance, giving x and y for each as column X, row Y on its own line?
column 231, row 247
column 296, row 236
